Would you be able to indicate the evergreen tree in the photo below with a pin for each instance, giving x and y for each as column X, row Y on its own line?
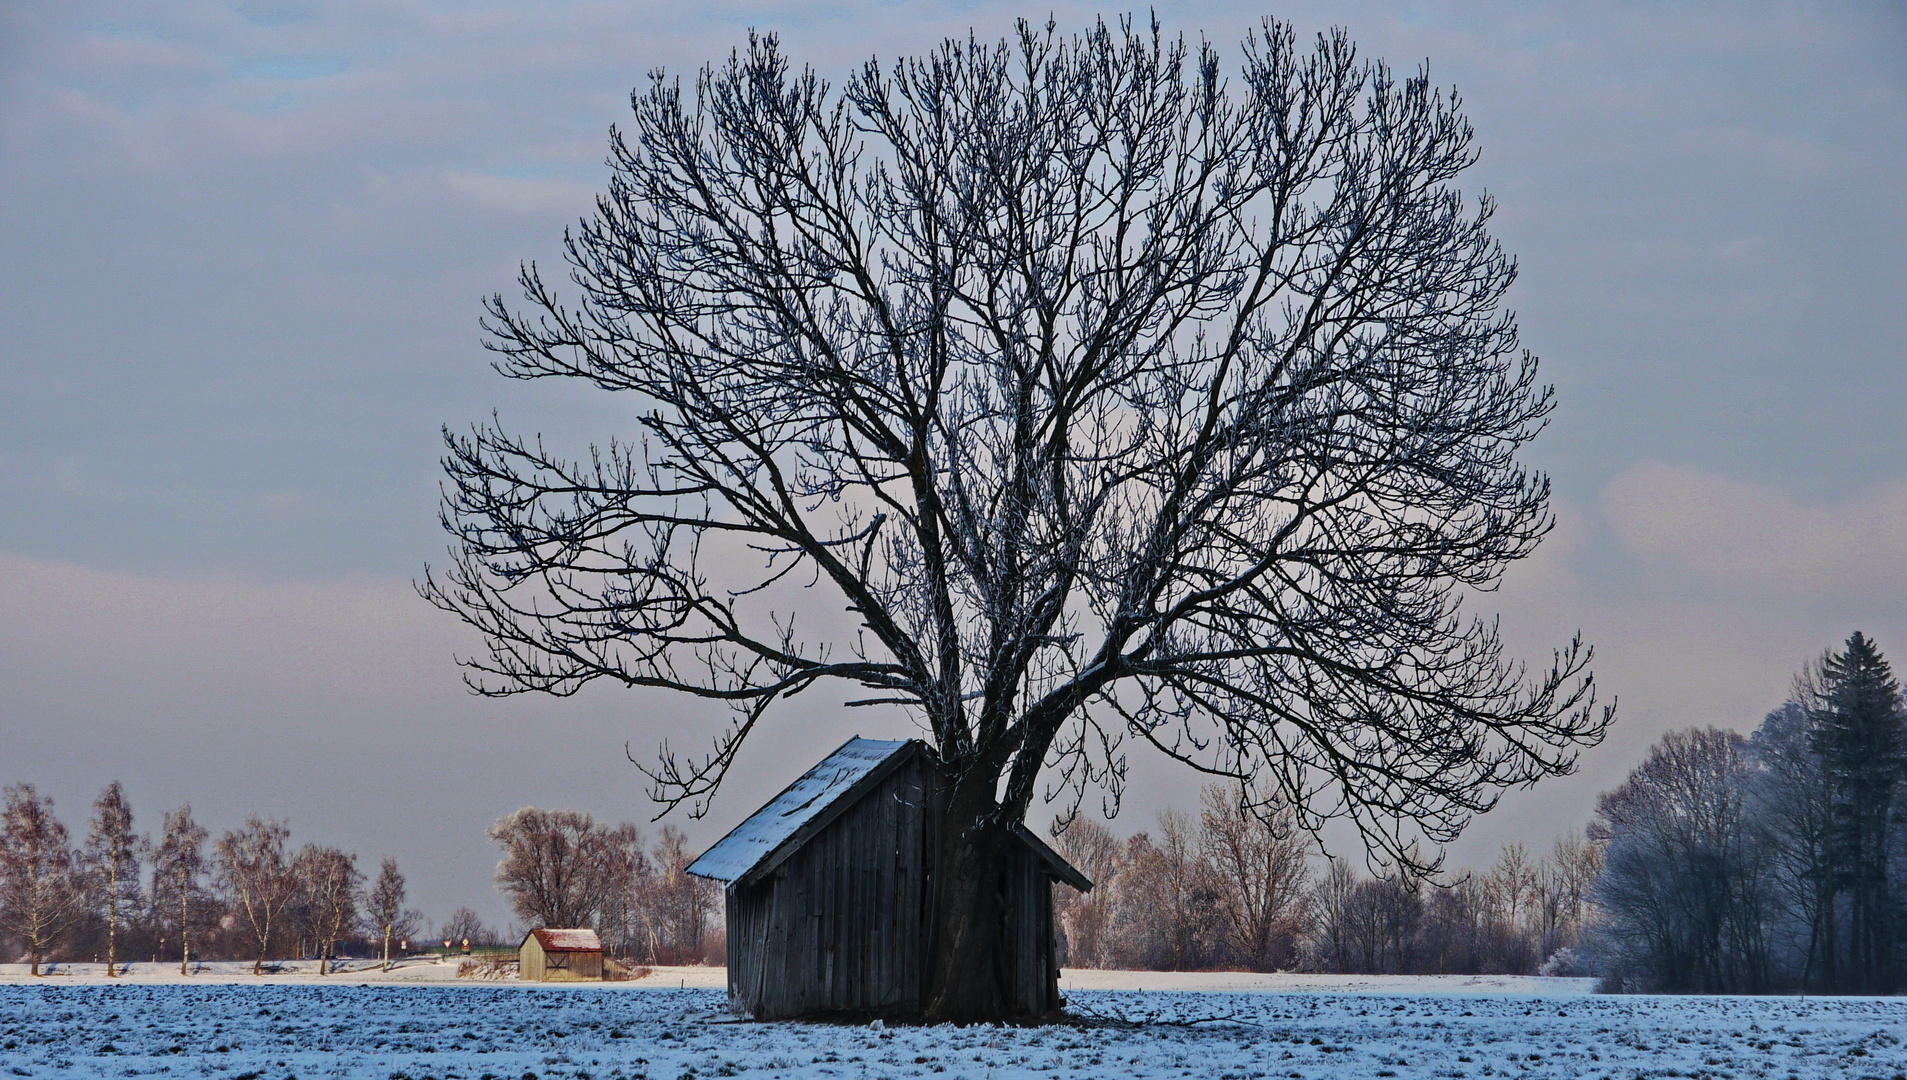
column 1863, row 748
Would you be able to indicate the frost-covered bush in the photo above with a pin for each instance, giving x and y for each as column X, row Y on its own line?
column 1566, row 963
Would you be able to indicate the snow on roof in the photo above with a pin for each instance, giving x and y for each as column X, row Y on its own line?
column 568, row 940
column 807, row 798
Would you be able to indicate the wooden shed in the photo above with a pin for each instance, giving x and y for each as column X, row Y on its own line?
column 560, row 956
column 830, row 892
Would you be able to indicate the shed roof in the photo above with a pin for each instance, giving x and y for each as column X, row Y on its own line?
column 566, row 940
column 1056, row 863
column 856, row 764
column 752, row 842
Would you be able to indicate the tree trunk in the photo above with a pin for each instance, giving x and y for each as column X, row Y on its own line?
column 968, row 984
column 185, row 935
column 112, row 918
column 387, row 947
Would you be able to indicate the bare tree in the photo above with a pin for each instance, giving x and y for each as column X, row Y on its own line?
column 178, row 878
column 384, row 905
column 627, row 874
column 256, row 876
column 1374, row 921
column 1331, row 901
column 1793, row 800
column 1167, row 895
column 111, row 858
column 40, row 890
column 559, row 867
column 464, row 925
column 1452, row 937
column 1258, row 861
column 328, row 882
column 1511, row 891
column 678, row 904
column 1086, row 918
column 1111, row 397
column 1565, row 881
column 1681, row 870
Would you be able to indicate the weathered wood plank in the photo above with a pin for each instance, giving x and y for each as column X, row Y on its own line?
column 845, row 921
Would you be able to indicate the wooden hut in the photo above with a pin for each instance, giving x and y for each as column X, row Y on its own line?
column 830, row 897
column 560, row 956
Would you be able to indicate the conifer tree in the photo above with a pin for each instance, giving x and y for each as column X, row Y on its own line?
column 1863, row 750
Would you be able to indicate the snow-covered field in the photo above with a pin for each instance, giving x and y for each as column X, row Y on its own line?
column 305, row 973
column 237, row 1027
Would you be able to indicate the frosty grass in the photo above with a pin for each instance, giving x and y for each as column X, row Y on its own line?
column 510, row 1032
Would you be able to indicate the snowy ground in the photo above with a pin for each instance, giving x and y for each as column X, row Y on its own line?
column 240, row 1028
column 305, row 973
column 690, row 978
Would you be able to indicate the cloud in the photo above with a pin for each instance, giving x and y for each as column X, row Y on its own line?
column 335, row 704
column 242, row 305
column 1690, row 527
column 521, row 195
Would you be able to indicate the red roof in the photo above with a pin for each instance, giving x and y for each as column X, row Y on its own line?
column 568, row 940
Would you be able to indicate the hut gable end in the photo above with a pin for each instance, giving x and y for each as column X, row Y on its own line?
column 560, row 955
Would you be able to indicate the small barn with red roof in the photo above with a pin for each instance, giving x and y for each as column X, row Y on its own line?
column 560, row 956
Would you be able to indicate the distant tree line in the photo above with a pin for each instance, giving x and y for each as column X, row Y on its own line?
column 1239, row 890
column 1769, row 863
column 116, row 895
column 1722, row 864
column 1776, row 862
column 562, row 868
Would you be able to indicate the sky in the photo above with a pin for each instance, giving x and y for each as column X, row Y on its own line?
column 243, row 247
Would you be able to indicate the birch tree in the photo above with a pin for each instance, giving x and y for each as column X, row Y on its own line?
column 179, row 892
column 328, row 882
column 257, row 878
column 385, row 907
column 40, row 890
column 677, row 904
column 1113, row 396
column 112, row 862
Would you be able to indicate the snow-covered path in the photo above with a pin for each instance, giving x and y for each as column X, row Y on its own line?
column 514, row 1032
